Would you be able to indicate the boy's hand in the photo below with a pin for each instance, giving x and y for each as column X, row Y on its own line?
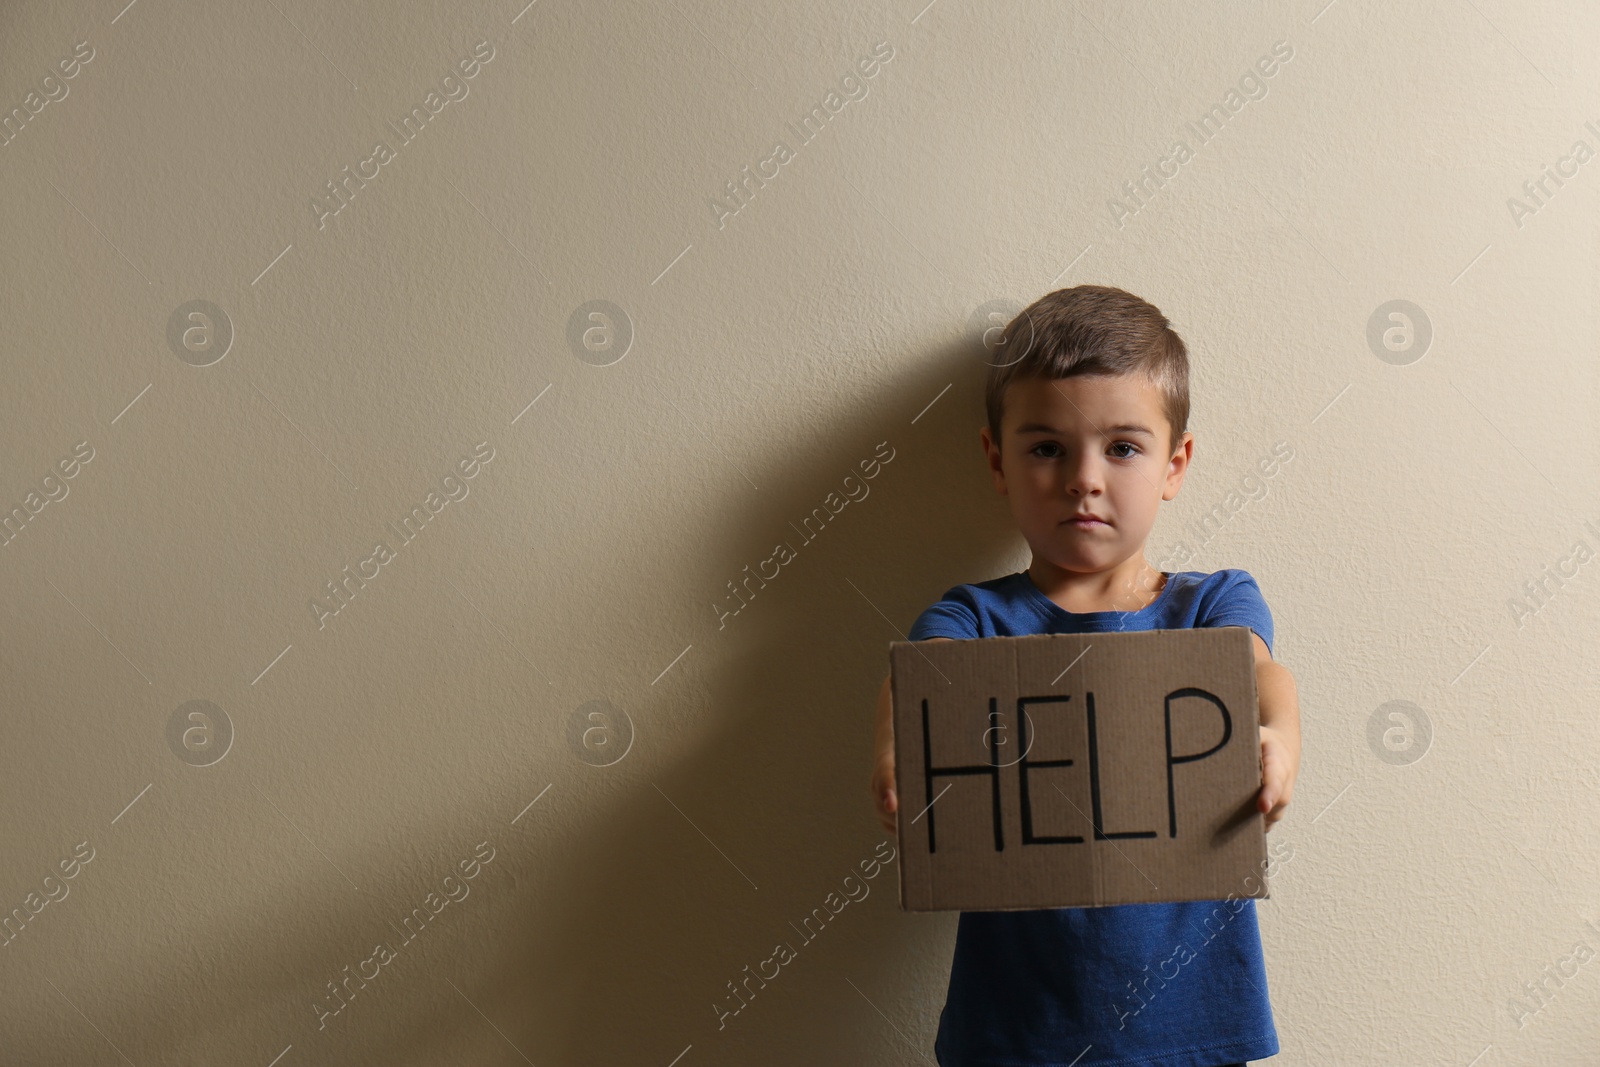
column 1278, row 771
column 1280, row 732
column 883, row 788
column 883, row 792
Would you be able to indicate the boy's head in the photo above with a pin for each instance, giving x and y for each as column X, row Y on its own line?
column 1088, row 406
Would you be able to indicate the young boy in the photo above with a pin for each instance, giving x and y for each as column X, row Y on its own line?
column 1088, row 403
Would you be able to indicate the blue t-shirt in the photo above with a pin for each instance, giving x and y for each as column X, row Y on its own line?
column 1124, row 984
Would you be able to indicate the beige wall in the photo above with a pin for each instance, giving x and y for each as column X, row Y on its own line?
column 354, row 761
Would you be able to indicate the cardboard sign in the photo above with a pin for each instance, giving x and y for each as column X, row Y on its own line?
column 1078, row 770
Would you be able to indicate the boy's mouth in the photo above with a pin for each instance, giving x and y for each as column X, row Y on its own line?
column 1084, row 522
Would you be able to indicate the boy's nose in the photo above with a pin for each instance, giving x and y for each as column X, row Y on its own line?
column 1085, row 477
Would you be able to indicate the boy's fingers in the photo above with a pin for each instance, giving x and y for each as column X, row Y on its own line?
column 1272, row 812
column 1271, row 785
column 1274, row 778
column 1274, row 791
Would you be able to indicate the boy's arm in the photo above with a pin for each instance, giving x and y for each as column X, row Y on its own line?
column 1279, row 702
column 884, row 794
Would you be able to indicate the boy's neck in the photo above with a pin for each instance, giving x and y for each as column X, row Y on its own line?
column 1129, row 586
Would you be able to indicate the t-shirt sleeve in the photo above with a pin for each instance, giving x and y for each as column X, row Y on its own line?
column 1237, row 601
column 952, row 615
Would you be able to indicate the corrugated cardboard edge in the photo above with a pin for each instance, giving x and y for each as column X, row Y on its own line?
column 1255, row 710
column 900, row 800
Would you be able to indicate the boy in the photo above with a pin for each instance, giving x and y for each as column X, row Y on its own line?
column 1087, row 404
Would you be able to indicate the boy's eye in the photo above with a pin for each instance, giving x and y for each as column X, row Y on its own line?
column 1055, row 452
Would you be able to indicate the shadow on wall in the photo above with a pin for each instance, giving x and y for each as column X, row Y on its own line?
column 655, row 919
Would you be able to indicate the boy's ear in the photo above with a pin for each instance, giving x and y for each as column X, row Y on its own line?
column 1178, row 466
column 991, row 453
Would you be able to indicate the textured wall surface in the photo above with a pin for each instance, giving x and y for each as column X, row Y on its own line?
column 288, row 782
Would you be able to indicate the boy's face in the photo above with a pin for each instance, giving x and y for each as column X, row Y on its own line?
column 1092, row 444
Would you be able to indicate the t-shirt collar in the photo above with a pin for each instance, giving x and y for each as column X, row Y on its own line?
column 1036, row 595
